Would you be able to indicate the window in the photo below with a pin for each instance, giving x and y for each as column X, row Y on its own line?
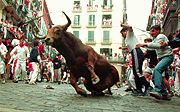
column 76, row 33
column 92, row 5
column 76, row 20
column 106, row 36
column 107, row 4
column 107, row 19
column 90, row 36
column 76, row 5
column 91, row 20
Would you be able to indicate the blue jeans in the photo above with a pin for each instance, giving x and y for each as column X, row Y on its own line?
column 157, row 74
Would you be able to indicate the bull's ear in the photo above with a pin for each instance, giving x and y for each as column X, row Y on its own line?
column 65, row 27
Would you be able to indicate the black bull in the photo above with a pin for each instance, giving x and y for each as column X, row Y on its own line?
column 82, row 61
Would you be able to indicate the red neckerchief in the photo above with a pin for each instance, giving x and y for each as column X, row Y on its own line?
column 36, row 47
column 21, row 45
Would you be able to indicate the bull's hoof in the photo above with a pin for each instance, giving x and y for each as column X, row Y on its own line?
column 95, row 80
column 108, row 92
column 83, row 93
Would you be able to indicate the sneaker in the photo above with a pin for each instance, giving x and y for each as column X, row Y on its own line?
column 171, row 93
column 166, row 97
column 59, row 82
column 137, row 93
column 32, row 83
column 3, row 82
column 147, row 91
column 128, row 89
column 26, row 82
column 15, row 81
column 156, row 94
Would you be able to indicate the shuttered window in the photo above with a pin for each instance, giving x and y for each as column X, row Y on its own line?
column 76, row 33
column 91, row 20
column 90, row 36
column 76, row 20
column 106, row 36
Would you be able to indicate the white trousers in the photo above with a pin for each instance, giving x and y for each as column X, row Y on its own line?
column 20, row 65
column 34, row 73
column 52, row 75
column 58, row 74
column 177, row 83
column 131, row 80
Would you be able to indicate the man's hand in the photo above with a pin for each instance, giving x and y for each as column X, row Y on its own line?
column 140, row 45
column 121, row 24
column 163, row 44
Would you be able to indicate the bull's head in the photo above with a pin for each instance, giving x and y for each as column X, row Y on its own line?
column 55, row 33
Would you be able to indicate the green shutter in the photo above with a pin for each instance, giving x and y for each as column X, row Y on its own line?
column 106, row 36
column 90, row 19
column 90, row 36
column 101, row 50
column 93, row 19
column 76, row 33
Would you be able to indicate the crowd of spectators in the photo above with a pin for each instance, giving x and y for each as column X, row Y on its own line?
column 19, row 52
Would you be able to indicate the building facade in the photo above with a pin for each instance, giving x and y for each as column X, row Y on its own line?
column 96, row 23
column 167, row 14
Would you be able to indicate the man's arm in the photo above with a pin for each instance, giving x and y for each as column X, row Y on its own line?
column 123, row 48
column 127, row 26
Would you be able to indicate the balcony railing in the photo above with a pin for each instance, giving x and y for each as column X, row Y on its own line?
column 77, row 9
column 106, row 41
column 106, row 8
column 90, row 41
column 107, row 23
column 90, row 8
column 75, row 25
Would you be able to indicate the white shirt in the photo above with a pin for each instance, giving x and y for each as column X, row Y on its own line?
column 3, row 50
column 131, row 41
column 22, row 52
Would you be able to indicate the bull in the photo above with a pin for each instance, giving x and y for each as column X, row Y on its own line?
column 82, row 60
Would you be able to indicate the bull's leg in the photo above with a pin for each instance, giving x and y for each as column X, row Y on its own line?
column 74, row 84
column 92, row 59
column 94, row 78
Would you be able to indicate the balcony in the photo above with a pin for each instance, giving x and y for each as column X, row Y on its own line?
column 170, row 21
column 77, row 9
column 107, row 8
column 107, row 23
column 76, row 26
column 91, row 26
column 106, row 41
column 89, row 41
column 91, row 8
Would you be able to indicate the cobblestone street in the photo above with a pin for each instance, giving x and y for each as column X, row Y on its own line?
column 18, row 97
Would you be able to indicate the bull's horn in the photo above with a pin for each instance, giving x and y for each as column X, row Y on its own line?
column 39, row 37
column 68, row 24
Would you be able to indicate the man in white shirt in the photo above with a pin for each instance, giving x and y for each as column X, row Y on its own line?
column 3, row 51
column 22, row 53
column 137, row 60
